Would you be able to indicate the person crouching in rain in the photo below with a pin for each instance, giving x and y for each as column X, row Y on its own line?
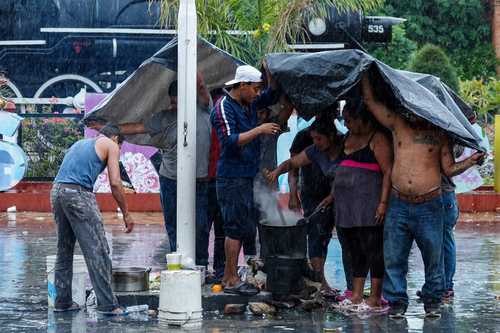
column 78, row 218
column 324, row 153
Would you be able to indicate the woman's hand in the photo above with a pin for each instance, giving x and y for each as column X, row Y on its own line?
column 294, row 202
column 327, row 202
column 380, row 213
column 271, row 176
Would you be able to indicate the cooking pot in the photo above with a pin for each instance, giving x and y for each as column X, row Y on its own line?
column 130, row 279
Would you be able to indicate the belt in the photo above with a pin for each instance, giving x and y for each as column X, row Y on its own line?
column 75, row 187
column 417, row 198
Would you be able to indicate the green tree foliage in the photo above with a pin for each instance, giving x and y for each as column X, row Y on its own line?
column 398, row 52
column 484, row 96
column 269, row 23
column 431, row 59
column 461, row 27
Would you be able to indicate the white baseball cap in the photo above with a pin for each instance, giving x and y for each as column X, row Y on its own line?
column 246, row 73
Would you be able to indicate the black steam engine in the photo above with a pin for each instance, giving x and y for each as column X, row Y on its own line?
column 54, row 48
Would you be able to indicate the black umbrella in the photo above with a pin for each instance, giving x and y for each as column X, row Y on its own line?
column 316, row 81
column 145, row 91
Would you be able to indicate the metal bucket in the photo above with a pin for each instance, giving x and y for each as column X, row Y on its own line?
column 130, row 279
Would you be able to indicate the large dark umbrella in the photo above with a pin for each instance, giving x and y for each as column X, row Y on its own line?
column 316, row 81
column 145, row 91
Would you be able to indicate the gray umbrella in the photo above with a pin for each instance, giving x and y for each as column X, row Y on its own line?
column 145, row 91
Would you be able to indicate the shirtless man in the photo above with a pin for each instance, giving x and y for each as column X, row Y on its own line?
column 421, row 154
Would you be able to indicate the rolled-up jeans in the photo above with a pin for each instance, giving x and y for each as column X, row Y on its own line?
column 168, row 196
column 407, row 222
column 78, row 218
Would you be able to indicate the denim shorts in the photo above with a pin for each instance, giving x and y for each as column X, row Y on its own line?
column 236, row 202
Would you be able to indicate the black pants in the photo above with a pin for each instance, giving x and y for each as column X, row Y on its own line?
column 366, row 246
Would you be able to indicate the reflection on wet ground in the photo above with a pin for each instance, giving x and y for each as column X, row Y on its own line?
column 25, row 243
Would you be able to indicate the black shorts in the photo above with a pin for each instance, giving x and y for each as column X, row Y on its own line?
column 235, row 197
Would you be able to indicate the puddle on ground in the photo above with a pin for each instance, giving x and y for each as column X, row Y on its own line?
column 25, row 244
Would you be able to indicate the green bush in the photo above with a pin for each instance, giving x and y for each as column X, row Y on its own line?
column 431, row 59
column 483, row 96
column 461, row 27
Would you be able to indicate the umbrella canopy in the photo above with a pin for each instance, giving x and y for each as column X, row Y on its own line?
column 145, row 91
column 316, row 81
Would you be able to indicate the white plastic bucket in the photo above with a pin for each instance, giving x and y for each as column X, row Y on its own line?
column 180, row 298
column 78, row 284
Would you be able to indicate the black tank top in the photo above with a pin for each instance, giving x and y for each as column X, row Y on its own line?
column 363, row 155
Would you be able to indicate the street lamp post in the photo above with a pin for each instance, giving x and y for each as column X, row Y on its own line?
column 186, row 131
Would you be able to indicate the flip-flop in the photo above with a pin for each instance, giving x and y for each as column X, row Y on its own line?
column 119, row 311
column 241, row 288
column 73, row 307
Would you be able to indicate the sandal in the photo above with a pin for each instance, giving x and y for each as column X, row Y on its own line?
column 360, row 308
column 73, row 307
column 242, row 289
column 119, row 311
column 343, row 305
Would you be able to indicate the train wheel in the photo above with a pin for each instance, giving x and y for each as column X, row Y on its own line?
column 67, row 85
column 9, row 90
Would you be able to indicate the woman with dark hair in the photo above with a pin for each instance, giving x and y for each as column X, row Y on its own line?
column 324, row 152
column 361, row 191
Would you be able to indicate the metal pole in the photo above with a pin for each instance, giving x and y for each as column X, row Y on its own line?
column 186, row 131
column 497, row 153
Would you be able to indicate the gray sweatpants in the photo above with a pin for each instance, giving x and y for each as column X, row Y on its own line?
column 78, row 218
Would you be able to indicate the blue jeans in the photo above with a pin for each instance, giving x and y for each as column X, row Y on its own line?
column 215, row 217
column 406, row 222
column 168, row 196
column 451, row 213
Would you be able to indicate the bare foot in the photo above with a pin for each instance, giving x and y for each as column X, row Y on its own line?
column 373, row 302
column 356, row 300
column 230, row 282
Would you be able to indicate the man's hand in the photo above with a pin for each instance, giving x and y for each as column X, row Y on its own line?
column 129, row 223
column 327, row 202
column 380, row 213
column 477, row 158
column 269, row 129
column 294, row 203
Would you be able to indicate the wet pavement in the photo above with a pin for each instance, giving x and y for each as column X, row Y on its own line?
column 25, row 243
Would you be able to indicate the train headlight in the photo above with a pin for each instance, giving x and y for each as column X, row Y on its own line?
column 317, row 26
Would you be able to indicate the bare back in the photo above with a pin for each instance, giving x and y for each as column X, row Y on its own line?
column 417, row 159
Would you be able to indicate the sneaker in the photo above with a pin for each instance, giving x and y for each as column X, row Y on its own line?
column 397, row 310
column 432, row 310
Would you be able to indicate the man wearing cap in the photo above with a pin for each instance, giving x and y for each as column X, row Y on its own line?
column 235, row 120
column 78, row 218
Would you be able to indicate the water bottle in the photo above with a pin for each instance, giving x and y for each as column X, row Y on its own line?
column 138, row 308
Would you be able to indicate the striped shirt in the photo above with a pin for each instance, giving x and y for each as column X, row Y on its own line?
column 230, row 119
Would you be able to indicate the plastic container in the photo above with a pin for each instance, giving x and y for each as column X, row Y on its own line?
column 174, row 261
column 180, row 299
column 138, row 308
column 80, row 274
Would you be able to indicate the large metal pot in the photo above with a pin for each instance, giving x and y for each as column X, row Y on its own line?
column 130, row 279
